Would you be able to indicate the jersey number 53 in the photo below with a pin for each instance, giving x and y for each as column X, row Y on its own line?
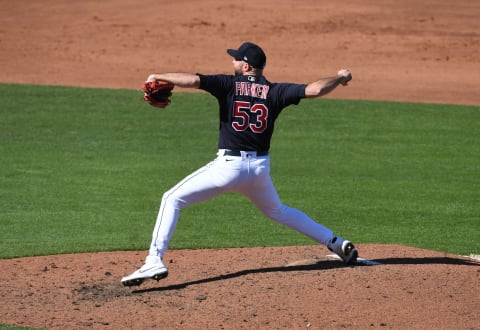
column 250, row 116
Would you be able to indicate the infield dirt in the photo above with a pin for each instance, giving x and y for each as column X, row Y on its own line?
column 418, row 51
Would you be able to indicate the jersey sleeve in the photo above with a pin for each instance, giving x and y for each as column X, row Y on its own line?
column 216, row 85
column 287, row 94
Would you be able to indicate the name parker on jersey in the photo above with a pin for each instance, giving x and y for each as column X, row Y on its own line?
column 251, row 89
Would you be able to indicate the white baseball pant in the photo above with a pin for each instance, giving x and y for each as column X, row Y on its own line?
column 249, row 175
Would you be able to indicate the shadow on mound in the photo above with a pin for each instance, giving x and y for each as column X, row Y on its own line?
column 427, row 261
column 321, row 265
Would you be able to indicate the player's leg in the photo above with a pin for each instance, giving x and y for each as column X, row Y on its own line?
column 264, row 195
column 211, row 180
column 197, row 187
column 266, row 198
column 207, row 182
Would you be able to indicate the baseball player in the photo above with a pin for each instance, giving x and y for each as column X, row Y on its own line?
column 249, row 104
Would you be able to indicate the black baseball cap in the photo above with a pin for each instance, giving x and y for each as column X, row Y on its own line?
column 250, row 53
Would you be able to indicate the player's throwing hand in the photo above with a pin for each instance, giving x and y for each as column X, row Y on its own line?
column 345, row 75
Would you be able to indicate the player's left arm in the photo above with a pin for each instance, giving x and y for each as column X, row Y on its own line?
column 326, row 85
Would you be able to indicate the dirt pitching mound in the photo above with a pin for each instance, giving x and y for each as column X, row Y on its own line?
column 247, row 288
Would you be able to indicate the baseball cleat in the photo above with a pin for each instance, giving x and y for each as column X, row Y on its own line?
column 344, row 249
column 152, row 269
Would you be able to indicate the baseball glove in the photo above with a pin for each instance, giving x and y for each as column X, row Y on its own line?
column 157, row 93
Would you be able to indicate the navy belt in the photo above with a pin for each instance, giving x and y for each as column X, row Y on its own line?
column 238, row 153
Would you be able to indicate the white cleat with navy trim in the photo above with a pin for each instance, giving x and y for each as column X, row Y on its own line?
column 152, row 269
column 344, row 249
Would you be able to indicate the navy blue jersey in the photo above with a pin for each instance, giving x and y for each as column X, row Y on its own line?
column 249, row 106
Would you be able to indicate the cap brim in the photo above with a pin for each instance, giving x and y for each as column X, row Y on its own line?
column 233, row 53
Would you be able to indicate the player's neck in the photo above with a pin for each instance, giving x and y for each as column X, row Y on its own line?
column 256, row 73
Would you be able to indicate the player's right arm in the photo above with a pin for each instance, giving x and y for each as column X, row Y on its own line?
column 186, row 80
column 326, row 85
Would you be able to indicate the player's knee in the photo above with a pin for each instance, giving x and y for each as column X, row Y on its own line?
column 276, row 213
column 169, row 198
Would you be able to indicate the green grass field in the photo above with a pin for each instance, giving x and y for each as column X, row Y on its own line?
column 84, row 170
